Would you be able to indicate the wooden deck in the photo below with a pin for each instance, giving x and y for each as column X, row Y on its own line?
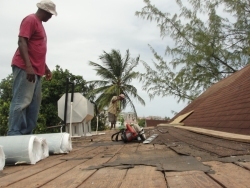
column 93, row 163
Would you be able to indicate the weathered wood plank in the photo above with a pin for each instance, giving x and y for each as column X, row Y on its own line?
column 45, row 176
column 13, row 169
column 244, row 164
column 78, row 174
column 108, row 154
column 129, row 147
column 75, row 176
column 144, row 176
column 43, row 166
column 105, row 177
column 229, row 175
column 145, row 147
column 161, row 147
column 194, row 179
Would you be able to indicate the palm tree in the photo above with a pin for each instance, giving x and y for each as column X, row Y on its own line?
column 116, row 74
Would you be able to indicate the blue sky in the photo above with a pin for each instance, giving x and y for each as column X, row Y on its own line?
column 84, row 29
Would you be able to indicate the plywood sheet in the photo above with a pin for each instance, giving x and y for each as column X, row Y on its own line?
column 144, row 176
column 180, row 118
column 194, row 179
column 229, row 175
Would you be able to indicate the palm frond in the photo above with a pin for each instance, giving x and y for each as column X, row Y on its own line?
column 116, row 75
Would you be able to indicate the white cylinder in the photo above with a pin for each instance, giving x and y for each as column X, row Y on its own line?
column 2, row 158
column 45, row 148
column 21, row 149
column 58, row 142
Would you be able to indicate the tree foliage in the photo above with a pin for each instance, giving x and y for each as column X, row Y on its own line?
column 208, row 46
column 141, row 122
column 5, row 98
column 116, row 74
column 52, row 91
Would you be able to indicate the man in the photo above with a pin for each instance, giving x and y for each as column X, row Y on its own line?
column 114, row 109
column 28, row 66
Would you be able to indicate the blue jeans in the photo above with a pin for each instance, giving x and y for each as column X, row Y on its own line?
column 25, row 104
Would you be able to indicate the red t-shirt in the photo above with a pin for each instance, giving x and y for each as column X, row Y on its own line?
column 32, row 29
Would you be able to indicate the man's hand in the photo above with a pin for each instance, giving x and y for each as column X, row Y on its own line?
column 31, row 77
column 48, row 74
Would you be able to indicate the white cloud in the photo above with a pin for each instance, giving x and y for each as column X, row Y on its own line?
column 84, row 29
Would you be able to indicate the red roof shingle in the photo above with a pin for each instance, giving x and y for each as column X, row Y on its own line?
column 225, row 106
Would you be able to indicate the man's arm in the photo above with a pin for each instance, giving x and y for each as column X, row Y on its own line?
column 23, row 48
column 115, row 99
column 48, row 74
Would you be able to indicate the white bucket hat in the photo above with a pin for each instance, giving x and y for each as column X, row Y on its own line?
column 48, row 6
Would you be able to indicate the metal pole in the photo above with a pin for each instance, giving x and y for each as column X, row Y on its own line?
column 66, row 102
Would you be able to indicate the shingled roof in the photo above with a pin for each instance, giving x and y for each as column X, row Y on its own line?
column 225, row 106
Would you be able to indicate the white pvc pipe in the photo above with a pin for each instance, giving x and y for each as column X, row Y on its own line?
column 45, row 148
column 21, row 149
column 58, row 142
column 2, row 158
column 70, row 121
column 96, row 124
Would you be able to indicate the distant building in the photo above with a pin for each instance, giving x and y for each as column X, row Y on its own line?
column 154, row 118
column 129, row 117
